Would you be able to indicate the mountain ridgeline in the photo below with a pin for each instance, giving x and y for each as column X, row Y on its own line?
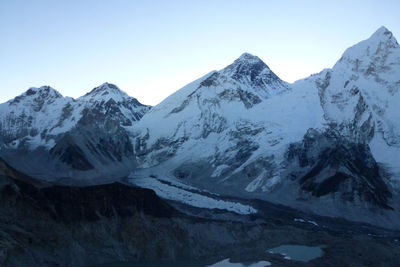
column 47, row 135
column 328, row 144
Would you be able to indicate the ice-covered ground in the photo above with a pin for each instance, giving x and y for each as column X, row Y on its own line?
column 189, row 195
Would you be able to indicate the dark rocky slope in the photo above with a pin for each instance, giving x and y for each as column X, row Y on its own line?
column 50, row 225
column 334, row 166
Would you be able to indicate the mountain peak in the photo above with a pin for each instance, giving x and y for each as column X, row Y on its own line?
column 37, row 94
column 382, row 33
column 380, row 49
column 43, row 91
column 247, row 61
column 382, row 36
column 105, row 92
column 106, row 88
column 252, row 69
column 249, row 58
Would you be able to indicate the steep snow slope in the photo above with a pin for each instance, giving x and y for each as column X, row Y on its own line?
column 360, row 94
column 110, row 100
column 319, row 144
column 230, row 127
column 34, row 114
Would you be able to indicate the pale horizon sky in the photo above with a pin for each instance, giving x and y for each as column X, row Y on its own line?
column 150, row 49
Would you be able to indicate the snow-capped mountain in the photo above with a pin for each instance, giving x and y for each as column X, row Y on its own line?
column 360, row 94
column 36, row 111
column 328, row 143
column 110, row 100
column 230, row 128
column 46, row 134
column 218, row 106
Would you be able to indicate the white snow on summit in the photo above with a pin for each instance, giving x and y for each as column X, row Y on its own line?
column 35, row 111
column 39, row 115
column 104, row 93
column 207, row 119
column 362, row 89
column 245, row 106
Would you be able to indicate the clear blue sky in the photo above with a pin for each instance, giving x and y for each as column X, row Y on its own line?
column 152, row 48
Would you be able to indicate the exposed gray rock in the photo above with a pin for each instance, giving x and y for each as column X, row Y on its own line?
column 336, row 167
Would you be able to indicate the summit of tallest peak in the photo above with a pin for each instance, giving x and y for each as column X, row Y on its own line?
column 246, row 64
column 248, row 57
column 251, row 68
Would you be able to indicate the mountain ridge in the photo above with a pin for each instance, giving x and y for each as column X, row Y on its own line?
column 230, row 132
column 230, row 136
column 69, row 134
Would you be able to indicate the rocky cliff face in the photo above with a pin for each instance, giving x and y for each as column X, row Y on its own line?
column 328, row 165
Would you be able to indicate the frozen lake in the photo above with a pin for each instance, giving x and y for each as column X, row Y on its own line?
column 227, row 263
column 298, row 252
column 290, row 252
column 223, row 263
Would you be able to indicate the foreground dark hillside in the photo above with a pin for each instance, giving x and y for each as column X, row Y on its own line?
column 49, row 225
